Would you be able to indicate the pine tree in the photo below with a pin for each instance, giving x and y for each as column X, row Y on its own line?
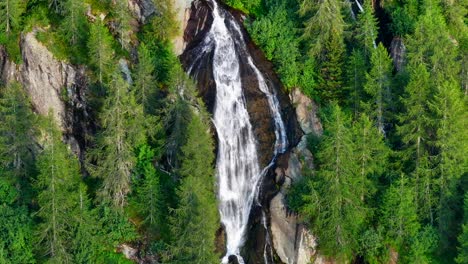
column 57, row 185
column 17, row 131
column 195, row 221
column 335, row 208
column 378, row 86
column 370, row 153
column 415, row 131
column 123, row 19
column 367, row 29
column 164, row 24
column 123, row 130
column 399, row 215
column 10, row 17
column 145, row 83
column 462, row 257
column 74, row 23
column 356, row 78
column 449, row 113
column 100, row 49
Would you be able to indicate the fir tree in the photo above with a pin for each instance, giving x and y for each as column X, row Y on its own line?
column 367, row 29
column 123, row 19
column 17, row 132
column 335, row 208
column 145, row 83
column 195, row 221
column 100, row 49
column 74, row 23
column 356, row 78
column 378, row 86
column 123, row 130
column 57, row 186
column 10, row 17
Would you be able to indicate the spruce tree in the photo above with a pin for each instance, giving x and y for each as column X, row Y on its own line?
column 367, row 29
column 334, row 206
column 100, row 49
column 145, row 83
column 378, row 86
column 10, row 17
column 356, row 78
column 123, row 130
column 58, row 198
column 17, row 132
column 123, row 19
column 195, row 220
column 74, row 23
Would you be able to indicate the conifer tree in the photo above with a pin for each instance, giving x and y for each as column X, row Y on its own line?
column 57, row 186
column 74, row 23
column 449, row 113
column 367, row 29
column 123, row 19
column 100, row 49
column 370, row 153
column 335, row 208
column 399, row 215
column 356, row 78
column 195, row 221
column 378, row 86
column 145, row 83
column 123, row 130
column 17, row 131
column 10, row 16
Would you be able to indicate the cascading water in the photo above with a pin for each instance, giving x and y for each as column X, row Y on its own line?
column 238, row 170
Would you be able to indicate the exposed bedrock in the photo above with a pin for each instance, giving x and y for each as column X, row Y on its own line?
column 52, row 85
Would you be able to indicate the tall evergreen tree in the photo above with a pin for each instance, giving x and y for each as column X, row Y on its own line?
column 123, row 130
column 17, row 132
column 378, row 86
column 123, row 19
column 367, row 29
column 100, row 49
column 356, row 78
column 74, row 23
column 324, row 29
column 57, row 186
column 145, row 83
column 195, row 220
column 10, row 16
column 335, row 208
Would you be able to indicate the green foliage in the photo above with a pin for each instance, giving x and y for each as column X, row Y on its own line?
column 164, row 24
column 336, row 211
column 367, row 29
column 247, row 6
column 57, row 185
column 100, row 50
column 145, row 90
column 378, row 86
column 123, row 130
column 11, row 12
column 195, row 221
column 74, row 25
column 17, row 132
column 275, row 33
column 356, row 78
column 123, row 18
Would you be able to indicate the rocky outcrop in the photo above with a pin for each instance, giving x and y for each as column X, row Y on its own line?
column 51, row 85
column 182, row 9
column 142, row 9
column 306, row 112
column 398, row 53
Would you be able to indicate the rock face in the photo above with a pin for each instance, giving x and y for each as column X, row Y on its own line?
column 398, row 53
column 142, row 9
column 182, row 8
column 293, row 242
column 52, row 85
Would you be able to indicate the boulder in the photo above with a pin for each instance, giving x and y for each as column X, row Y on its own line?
column 306, row 112
column 142, row 9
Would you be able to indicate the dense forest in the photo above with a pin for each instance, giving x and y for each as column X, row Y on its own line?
column 391, row 166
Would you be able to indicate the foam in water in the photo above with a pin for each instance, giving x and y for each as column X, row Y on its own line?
column 237, row 166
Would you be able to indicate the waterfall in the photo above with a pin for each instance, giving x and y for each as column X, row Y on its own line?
column 237, row 166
